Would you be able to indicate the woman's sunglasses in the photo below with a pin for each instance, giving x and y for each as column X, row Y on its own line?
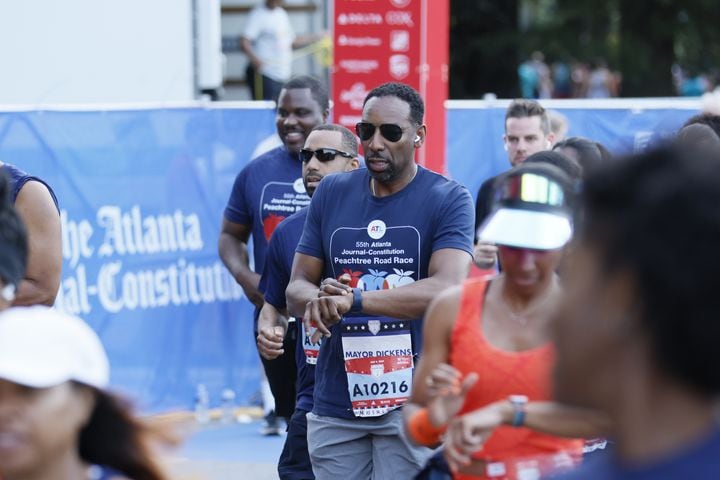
column 390, row 131
column 322, row 154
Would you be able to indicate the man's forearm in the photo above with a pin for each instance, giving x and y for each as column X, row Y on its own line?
column 234, row 255
column 270, row 317
column 298, row 293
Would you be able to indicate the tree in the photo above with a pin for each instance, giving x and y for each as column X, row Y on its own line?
column 483, row 48
column 642, row 39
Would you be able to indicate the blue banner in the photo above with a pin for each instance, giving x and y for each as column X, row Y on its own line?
column 142, row 194
column 475, row 136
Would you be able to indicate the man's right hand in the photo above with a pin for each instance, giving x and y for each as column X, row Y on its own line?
column 270, row 342
column 485, row 255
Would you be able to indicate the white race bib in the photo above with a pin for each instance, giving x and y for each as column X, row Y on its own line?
column 378, row 363
column 311, row 351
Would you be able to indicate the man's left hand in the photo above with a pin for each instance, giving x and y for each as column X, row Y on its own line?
column 330, row 287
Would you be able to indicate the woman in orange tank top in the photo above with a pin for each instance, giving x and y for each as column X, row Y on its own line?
column 484, row 378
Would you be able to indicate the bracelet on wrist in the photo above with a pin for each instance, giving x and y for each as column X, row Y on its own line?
column 422, row 431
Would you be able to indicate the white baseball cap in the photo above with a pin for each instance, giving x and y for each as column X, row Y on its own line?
column 532, row 209
column 41, row 347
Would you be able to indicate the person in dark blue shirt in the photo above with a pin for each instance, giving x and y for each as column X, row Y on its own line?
column 328, row 149
column 37, row 205
column 266, row 191
column 637, row 333
column 402, row 234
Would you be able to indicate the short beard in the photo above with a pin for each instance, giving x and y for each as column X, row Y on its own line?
column 388, row 176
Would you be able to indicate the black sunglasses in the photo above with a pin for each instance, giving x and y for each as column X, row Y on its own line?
column 322, row 154
column 390, row 131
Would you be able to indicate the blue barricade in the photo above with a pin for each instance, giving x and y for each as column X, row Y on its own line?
column 475, row 146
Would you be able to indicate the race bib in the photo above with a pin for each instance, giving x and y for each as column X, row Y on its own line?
column 378, row 363
column 311, row 351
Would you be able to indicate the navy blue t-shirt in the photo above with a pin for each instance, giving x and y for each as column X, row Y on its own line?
column 381, row 243
column 268, row 190
column 274, row 282
column 17, row 179
column 700, row 461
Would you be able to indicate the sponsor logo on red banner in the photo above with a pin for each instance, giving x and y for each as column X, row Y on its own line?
column 399, row 18
column 360, row 19
column 399, row 40
column 347, row 41
column 399, row 66
column 355, row 96
column 359, row 66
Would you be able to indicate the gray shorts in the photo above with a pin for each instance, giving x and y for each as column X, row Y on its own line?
column 363, row 448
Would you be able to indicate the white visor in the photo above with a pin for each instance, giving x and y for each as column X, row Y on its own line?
column 41, row 347
column 526, row 229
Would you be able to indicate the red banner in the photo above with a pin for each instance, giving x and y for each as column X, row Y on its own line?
column 378, row 41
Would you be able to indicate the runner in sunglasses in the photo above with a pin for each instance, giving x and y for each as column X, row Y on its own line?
column 329, row 149
column 401, row 233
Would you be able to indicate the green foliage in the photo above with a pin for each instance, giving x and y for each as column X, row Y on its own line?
column 483, row 48
column 640, row 38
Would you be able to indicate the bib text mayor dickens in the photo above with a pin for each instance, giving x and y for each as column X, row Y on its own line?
column 131, row 233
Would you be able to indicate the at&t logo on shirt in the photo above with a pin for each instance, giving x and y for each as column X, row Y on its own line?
column 376, row 229
column 299, row 186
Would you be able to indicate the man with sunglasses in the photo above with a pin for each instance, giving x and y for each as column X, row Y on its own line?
column 527, row 131
column 266, row 191
column 401, row 234
column 329, row 149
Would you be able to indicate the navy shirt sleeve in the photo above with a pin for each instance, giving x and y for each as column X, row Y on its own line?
column 237, row 209
column 276, row 275
column 484, row 202
column 456, row 220
column 311, row 242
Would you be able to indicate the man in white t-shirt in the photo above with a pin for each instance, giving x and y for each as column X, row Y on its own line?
column 268, row 41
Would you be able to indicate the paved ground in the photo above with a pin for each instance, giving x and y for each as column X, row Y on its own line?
column 218, row 451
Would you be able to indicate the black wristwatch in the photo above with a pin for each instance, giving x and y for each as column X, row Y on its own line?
column 357, row 301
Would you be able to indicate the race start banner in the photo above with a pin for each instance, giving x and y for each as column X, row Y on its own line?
column 142, row 192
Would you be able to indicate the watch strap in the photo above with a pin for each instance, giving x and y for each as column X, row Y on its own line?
column 357, row 301
column 518, row 402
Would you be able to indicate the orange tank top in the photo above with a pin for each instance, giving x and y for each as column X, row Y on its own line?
column 502, row 373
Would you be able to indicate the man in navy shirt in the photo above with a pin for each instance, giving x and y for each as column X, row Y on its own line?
column 637, row 334
column 266, row 191
column 328, row 149
column 401, row 233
